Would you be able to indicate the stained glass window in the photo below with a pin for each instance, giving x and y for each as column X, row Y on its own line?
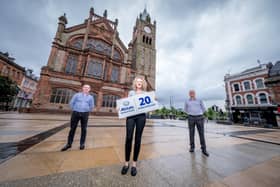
column 95, row 69
column 71, row 64
column 115, row 74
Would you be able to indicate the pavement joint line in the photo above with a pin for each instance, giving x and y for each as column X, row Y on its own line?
column 20, row 146
column 35, row 119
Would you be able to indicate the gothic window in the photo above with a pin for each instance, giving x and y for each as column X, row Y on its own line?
column 147, row 40
column 117, row 55
column 263, row 98
column 99, row 46
column 110, row 101
column 238, row 100
column 150, row 41
column 61, row 95
column 115, row 74
column 143, row 38
column 78, row 44
column 95, row 69
column 247, row 85
column 250, row 99
column 71, row 64
column 259, row 83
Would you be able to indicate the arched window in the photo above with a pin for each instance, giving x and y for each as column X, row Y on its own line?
column 61, row 95
column 116, row 55
column 71, row 64
column 95, row 69
column 263, row 98
column 250, row 99
column 78, row 43
column 144, row 39
column 150, row 41
column 99, row 46
column 238, row 100
column 110, row 101
column 147, row 40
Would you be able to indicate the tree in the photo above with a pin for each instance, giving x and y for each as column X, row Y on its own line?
column 9, row 89
column 210, row 114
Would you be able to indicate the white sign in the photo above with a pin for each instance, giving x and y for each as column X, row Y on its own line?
column 137, row 104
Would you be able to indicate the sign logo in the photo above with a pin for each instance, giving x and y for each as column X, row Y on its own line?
column 126, row 103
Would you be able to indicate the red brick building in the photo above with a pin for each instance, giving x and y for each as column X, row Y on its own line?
column 92, row 53
column 9, row 68
column 248, row 99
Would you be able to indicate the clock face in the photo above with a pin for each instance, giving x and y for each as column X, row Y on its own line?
column 147, row 29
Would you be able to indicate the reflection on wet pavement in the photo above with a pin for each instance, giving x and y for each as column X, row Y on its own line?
column 164, row 159
column 8, row 150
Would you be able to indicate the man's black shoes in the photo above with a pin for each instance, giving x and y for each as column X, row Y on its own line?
column 205, row 153
column 191, row 150
column 82, row 147
column 67, row 146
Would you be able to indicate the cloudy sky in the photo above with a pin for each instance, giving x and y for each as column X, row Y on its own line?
column 198, row 42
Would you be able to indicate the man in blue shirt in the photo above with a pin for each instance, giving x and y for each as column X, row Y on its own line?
column 195, row 110
column 82, row 104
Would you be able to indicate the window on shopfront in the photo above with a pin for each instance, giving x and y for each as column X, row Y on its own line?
column 61, row 95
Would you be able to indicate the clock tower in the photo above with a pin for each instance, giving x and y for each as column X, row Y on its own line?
column 142, row 48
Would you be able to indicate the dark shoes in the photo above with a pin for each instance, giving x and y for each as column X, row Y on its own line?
column 191, row 150
column 125, row 169
column 67, row 146
column 82, row 147
column 133, row 171
column 205, row 153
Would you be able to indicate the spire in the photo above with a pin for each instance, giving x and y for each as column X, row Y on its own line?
column 145, row 16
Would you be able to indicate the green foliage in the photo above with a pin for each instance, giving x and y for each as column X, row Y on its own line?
column 8, row 88
column 211, row 114
column 166, row 113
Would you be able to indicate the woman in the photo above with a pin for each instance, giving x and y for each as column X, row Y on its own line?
column 139, row 120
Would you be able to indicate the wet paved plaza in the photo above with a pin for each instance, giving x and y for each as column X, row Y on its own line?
column 30, row 154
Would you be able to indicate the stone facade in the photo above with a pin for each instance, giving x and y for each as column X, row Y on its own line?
column 92, row 53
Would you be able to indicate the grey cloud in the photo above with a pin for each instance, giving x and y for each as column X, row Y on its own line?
column 198, row 42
